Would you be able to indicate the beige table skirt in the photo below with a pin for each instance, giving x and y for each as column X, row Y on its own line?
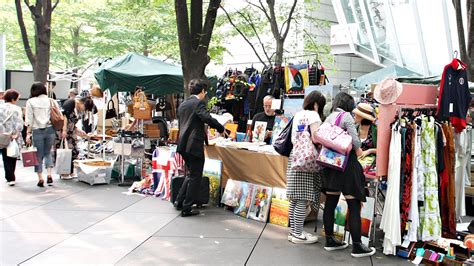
column 243, row 165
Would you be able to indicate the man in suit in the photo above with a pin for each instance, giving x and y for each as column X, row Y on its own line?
column 192, row 114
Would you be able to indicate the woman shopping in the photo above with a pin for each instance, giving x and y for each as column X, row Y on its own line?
column 351, row 183
column 72, row 109
column 364, row 118
column 303, row 186
column 40, row 130
column 11, row 125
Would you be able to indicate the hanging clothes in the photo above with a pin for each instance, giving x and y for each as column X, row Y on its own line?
column 407, row 177
column 454, row 94
column 448, row 216
column 430, row 213
column 462, row 157
column 414, row 217
column 390, row 222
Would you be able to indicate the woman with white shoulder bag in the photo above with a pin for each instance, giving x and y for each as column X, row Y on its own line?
column 11, row 125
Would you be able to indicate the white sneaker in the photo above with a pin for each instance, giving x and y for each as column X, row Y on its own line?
column 66, row 177
column 11, row 183
column 304, row 238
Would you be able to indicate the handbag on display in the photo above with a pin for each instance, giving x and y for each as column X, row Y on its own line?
column 63, row 159
column 334, row 137
column 332, row 159
column 141, row 108
column 304, row 153
column 29, row 157
column 110, row 113
column 56, row 117
column 283, row 144
column 13, row 150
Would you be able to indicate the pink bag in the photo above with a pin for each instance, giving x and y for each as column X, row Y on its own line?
column 304, row 153
column 332, row 159
column 334, row 137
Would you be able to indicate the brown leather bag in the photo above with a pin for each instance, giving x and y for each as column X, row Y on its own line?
column 57, row 118
column 141, row 108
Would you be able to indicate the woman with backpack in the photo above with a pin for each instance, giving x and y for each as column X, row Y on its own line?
column 303, row 186
column 40, row 131
column 351, row 183
column 11, row 125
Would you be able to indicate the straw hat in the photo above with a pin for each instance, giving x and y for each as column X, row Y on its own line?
column 365, row 110
column 388, row 91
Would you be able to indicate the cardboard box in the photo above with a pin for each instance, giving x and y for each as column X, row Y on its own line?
column 151, row 127
column 152, row 133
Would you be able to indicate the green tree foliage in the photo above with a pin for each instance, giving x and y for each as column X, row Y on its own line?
column 85, row 30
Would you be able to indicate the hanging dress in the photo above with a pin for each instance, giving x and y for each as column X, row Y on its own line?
column 414, row 217
column 430, row 213
column 390, row 222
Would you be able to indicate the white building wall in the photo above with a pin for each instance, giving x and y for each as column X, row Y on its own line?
column 344, row 68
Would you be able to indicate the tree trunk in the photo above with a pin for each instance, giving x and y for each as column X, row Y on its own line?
column 194, row 58
column 460, row 27
column 279, row 52
column 41, row 13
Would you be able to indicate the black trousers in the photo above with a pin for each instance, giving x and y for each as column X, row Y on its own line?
column 190, row 189
column 9, row 164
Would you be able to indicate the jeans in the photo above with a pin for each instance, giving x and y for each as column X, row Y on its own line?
column 43, row 140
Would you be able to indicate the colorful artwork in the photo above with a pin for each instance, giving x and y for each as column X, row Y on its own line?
column 280, row 123
column 260, row 205
column 232, row 193
column 296, row 79
column 340, row 216
column 213, row 170
column 233, row 130
column 341, row 228
column 292, row 106
column 279, row 207
column 245, row 199
column 259, row 131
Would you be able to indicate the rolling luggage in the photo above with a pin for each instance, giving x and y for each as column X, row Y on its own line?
column 202, row 198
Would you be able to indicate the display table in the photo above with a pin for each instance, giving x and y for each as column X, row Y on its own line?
column 250, row 166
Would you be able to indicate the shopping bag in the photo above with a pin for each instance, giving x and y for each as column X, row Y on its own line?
column 29, row 156
column 304, row 153
column 63, row 159
column 332, row 159
column 13, row 150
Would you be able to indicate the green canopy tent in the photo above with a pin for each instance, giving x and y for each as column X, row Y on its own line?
column 377, row 76
column 126, row 72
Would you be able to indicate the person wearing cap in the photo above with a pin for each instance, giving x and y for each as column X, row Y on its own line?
column 364, row 118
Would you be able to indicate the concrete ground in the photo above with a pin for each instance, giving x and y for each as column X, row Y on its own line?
column 75, row 223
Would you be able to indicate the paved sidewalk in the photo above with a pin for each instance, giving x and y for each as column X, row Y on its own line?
column 74, row 223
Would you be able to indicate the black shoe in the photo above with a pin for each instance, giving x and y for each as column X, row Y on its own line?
column 178, row 206
column 359, row 250
column 189, row 213
column 40, row 183
column 49, row 181
column 333, row 243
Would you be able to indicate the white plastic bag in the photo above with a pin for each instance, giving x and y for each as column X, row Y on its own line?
column 13, row 150
column 63, row 159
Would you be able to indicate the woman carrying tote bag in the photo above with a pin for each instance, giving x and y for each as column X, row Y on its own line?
column 11, row 125
column 40, row 130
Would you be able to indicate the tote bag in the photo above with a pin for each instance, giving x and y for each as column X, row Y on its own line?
column 63, row 159
column 13, row 150
column 304, row 153
column 5, row 138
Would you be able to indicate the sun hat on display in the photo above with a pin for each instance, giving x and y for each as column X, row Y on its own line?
column 388, row 91
column 365, row 110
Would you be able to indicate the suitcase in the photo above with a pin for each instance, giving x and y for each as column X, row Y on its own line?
column 203, row 197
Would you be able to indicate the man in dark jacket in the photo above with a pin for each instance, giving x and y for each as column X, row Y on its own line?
column 192, row 114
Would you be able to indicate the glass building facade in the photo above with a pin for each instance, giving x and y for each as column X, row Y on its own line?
column 419, row 35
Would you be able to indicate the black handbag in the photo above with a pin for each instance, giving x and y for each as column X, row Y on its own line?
column 283, row 144
column 110, row 113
